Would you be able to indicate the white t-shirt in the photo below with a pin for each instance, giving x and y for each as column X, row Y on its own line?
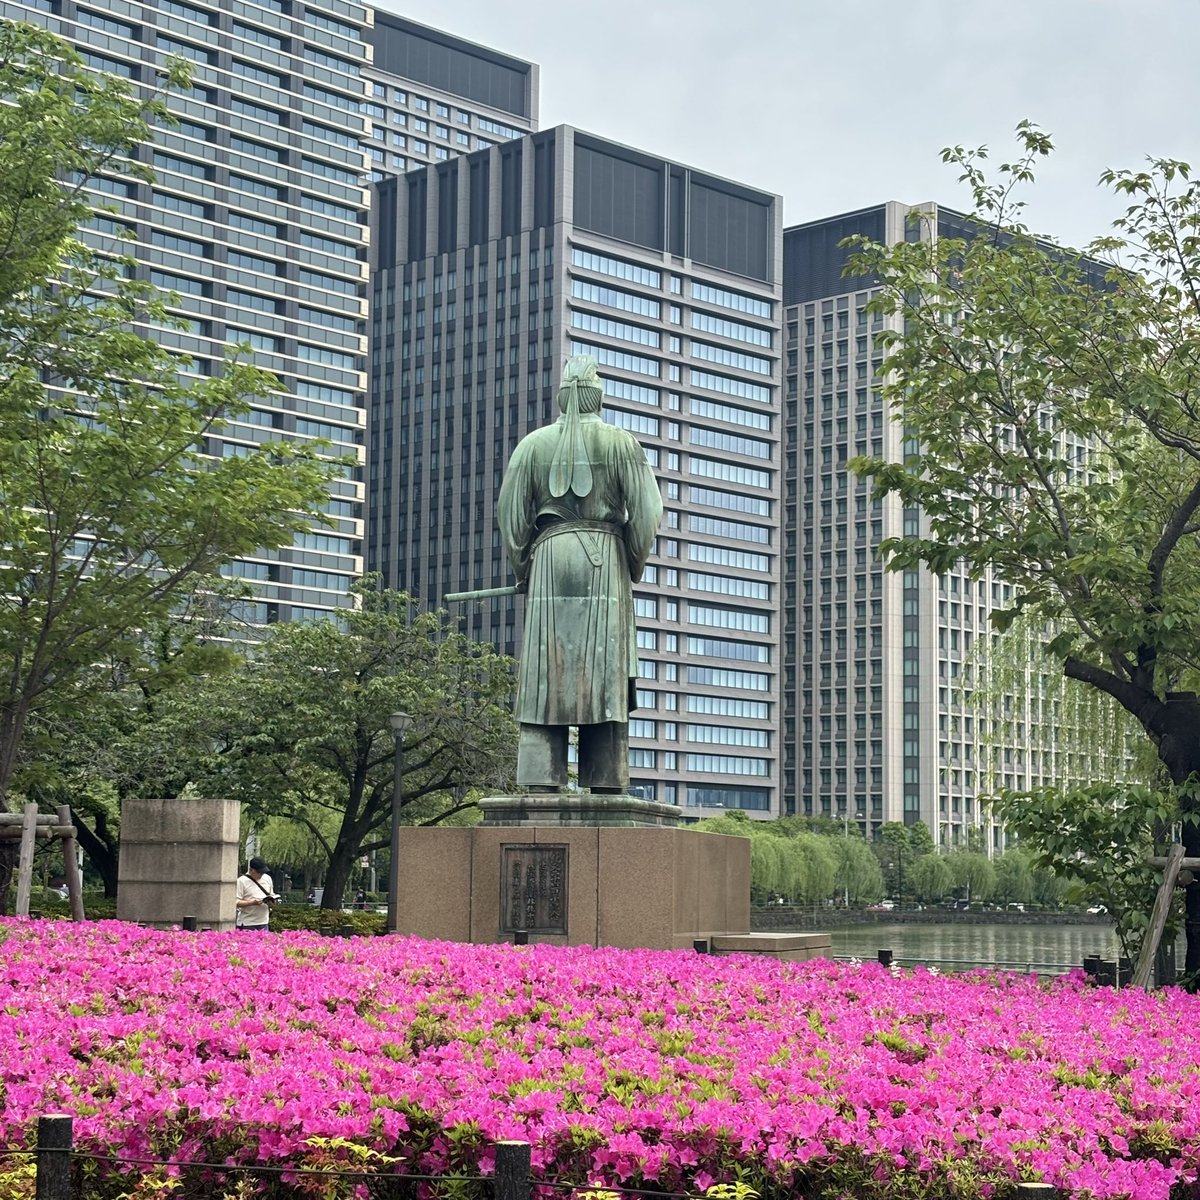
column 254, row 915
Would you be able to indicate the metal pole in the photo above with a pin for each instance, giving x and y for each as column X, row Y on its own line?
column 846, row 858
column 393, row 917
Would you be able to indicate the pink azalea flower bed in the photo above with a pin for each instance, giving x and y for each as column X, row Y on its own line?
column 666, row 1070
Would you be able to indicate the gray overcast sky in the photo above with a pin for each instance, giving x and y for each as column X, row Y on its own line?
column 844, row 103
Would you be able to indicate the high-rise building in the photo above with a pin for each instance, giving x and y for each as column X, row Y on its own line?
column 879, row 724
column 258, row 216
column 434, row 96
column 491, row 271
column 257, row 220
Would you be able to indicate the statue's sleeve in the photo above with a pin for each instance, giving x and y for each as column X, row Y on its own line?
column 643, row 505
column 515, row 511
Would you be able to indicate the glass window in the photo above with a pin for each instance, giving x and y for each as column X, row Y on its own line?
column 616, row 267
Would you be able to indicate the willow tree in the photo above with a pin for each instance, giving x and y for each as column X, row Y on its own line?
column 1051, row 404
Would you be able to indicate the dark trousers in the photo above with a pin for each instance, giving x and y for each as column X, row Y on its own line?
column 603, row 757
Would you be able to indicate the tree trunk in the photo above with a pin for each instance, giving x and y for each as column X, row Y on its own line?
column 101, row 852
column 1173, row 724
column 1179, row 749
column 337, row 878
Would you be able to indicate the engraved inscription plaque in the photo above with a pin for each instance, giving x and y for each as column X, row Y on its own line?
column 533, row 888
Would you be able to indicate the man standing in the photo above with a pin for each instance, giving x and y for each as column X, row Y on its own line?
column 255, row 895
column 578, row 511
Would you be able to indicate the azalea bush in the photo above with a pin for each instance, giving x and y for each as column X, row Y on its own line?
column 670, row 1071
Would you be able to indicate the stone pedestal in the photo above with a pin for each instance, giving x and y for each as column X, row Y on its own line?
column 633, row 885
column 178, row 858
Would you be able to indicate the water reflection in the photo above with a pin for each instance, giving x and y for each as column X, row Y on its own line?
column 1018, row 947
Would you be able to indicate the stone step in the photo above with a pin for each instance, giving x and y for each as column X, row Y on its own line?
column 787, row 947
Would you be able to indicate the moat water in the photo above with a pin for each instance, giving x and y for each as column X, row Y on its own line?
column 1046, row 948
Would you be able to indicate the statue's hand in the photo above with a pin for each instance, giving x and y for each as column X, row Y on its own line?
column 523, row 586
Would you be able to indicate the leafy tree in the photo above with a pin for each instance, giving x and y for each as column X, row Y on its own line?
column 767, row 866
column 1014, row 879
column 1120, row 818
column 920, row 839
column 125, row 741
column 785, row 857
column 893, row 849
column 930, row 878
column 973, row 874
column 1049, row 888
column 858, row 874
column 814, row 868
column 1053, row 437
column 898, row 848
column 108, row 508
column 302, row 732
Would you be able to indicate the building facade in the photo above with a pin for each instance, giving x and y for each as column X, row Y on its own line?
column 257, row 222
column 491, row 271
column 883, row 716
column 258, row 218
column 434, row 96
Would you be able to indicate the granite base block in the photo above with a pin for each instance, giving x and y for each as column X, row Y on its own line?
column 638, row 887
column 179, row 858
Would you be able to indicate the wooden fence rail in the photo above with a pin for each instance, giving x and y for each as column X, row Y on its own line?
column 511, row 1180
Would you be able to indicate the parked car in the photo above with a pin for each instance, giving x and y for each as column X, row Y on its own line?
column 882, row 906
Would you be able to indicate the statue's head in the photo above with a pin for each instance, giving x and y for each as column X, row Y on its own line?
column 581, row 377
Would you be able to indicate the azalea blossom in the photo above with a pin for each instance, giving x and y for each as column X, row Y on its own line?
column 667, row 1070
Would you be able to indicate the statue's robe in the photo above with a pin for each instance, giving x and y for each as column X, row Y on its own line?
column 577, row 557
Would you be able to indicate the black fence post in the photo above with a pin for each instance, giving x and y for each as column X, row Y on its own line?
column 1036, row 1191
column 512, row 1171
column 885, row 958
column 520, row 937
column 190, row 924
column 55, row 1139
column 700, row 945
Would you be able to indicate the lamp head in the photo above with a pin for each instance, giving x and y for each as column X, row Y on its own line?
column 400, row 722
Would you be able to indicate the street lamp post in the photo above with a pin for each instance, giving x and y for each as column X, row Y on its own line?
column 399, row 722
